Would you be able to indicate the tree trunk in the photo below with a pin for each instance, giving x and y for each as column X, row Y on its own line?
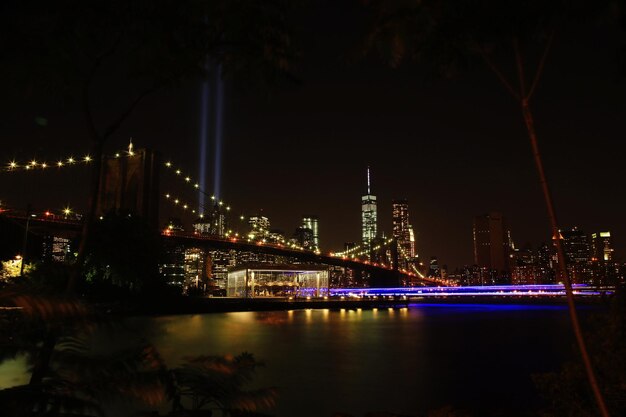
column 562, row 267
column 88, row 221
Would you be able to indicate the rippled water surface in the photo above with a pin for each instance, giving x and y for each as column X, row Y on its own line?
column 401, row 360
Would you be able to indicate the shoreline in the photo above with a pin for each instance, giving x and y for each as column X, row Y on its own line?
column 208, row 305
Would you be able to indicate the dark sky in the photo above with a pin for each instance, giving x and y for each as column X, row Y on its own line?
column 455, row 148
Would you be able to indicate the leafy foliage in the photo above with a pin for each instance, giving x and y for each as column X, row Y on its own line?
column 142, row 45
column 11, row 269
column 124, row 253
column 567, row 391
column 218, row 382
column 446, row 35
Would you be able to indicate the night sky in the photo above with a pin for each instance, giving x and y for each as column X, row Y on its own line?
column 454, row 147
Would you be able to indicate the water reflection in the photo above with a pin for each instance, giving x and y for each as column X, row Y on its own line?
column 413, row 358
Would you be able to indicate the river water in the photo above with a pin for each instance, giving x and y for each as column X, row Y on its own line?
column 404, row 360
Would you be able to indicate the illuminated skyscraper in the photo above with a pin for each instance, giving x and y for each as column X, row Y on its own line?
column 368, row 214
column 491, row 242
column 312, row 222
column 575, row 246
column 601, row 247
column 259, row 226
column 402, row 230
column 578, row 255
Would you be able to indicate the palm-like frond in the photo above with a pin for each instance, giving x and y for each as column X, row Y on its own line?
column 219, row 381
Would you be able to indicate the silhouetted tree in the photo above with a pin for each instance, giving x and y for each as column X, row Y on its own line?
column 125, row 255
column 450, row 33
column 566, row 391
column 218, row 382
column 123, row 51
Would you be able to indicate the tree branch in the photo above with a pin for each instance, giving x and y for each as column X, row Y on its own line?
column 111, row 128
column 89, row 80
column 539, row 70
column 498, row 73
column 520, row 70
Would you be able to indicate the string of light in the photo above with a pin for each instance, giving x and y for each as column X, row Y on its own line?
column 365, row 251
column 39, row 164
column 406, row 257
column 189, row 180
column 347, row 251
column 34, row 164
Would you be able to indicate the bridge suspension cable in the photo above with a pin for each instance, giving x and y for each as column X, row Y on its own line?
column 35, row 164
column 41, row 164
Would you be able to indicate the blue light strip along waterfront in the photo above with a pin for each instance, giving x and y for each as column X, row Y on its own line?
column 488, row 290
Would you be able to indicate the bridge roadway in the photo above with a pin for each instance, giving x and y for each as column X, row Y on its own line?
column 381, row 274
column 48, row 224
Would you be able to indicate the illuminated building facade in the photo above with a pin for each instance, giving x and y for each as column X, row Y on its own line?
column 304, row 238
column 403, row 232
column 524, row 266
column 280, row 280
column 259, row 227
column 194, row 266
column 434, row 271
column 213, row 223
column 577, row 255
column 368, row 215
column 173, row 266
column 276, row 236
column 312, row 222
column 56, row 248
column 575, row 245
column 601, row 247
column 492, row 243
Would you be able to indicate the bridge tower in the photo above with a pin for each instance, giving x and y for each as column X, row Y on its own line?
column 130, row 184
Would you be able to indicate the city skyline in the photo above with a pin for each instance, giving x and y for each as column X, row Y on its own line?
column 456, row 146
column 191, row 190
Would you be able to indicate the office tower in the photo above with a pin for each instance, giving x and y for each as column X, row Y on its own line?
column 434, row 271
column 259, row 226
column 368, row 215
column 601, row 247
column 312, row 222
column 194, row 268
column 172, row 267
column 276, row 236
column 524, row 266
column 577, row 255
column 213, row 223
column 575, row 246
column 402, row 231
column 491, row 242
column 303, row 237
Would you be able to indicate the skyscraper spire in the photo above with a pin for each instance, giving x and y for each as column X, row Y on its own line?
column 368, row 214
